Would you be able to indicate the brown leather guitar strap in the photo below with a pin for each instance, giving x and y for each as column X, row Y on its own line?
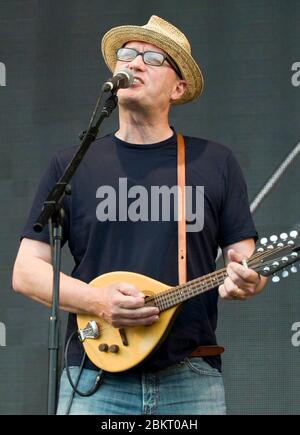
column 200, row 351
column 181, row 209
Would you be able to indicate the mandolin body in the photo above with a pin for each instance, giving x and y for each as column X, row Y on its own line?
column 142, row 340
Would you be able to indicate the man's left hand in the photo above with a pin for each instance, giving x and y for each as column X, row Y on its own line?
column 242, row 283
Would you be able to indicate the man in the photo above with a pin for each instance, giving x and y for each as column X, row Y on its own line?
column 143, row 153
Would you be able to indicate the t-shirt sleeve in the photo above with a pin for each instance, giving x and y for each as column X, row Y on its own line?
column 49, row 178
column 236, row 223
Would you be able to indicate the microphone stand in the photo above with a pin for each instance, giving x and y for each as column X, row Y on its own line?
column 53, row 214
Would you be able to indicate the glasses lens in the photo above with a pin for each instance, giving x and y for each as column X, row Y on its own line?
column 153, row 58
column 126, row 54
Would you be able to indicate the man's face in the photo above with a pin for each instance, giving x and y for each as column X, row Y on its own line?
column 153, row 86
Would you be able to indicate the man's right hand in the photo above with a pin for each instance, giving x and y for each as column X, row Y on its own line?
column 122, row 304
column 119, row 304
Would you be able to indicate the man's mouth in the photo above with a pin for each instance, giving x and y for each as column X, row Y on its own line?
column 137, row 80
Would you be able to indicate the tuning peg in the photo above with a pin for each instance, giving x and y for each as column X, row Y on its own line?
column 266, row 269
column 294, row 269
column 270, row 247
column 291, row 243
column 275, row 278
column 294, row 254
column 280, row 245
column 275, row 264
column 283, row 236
column 263, row 241
column 294, row 234
column 285, row 274
column 284, row 259
column 260, row 249
column 273, row 239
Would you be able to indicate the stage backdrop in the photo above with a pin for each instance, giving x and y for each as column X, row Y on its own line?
column 50, row 76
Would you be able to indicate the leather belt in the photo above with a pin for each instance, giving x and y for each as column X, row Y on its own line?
column 207, row 351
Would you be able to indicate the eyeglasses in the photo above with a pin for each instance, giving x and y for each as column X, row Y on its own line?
column 152, row 58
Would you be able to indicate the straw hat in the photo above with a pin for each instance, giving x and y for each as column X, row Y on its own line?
column 165, row 36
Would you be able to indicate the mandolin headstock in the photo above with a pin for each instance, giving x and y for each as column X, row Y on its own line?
column 275, row 254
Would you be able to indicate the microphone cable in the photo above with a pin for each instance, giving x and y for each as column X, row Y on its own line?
column 83, row 133
column 74, row 386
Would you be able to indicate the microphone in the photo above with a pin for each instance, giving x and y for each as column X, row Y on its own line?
column 121, row 79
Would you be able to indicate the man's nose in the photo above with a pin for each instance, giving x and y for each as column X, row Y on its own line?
column 137, row 62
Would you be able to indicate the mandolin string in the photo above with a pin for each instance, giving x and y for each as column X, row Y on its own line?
column 265, row 264
column 197, row 283
column 211, row 280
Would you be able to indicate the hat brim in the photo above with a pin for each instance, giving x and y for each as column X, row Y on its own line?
column 191, row 73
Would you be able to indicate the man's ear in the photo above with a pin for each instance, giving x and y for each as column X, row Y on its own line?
column 179, row 90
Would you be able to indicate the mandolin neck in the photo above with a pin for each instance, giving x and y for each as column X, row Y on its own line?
column 175, row 295
column 265, row 261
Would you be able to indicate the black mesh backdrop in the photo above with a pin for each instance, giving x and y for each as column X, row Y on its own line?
column 52, row 69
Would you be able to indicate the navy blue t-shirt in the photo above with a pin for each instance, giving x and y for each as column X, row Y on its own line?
column 116, row 177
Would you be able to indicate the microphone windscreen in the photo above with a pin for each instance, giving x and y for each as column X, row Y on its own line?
column 126, row 75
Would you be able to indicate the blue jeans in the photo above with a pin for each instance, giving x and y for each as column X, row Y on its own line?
column 190, row 387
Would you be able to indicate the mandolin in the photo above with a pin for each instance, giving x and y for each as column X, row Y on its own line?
column 117, row 350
